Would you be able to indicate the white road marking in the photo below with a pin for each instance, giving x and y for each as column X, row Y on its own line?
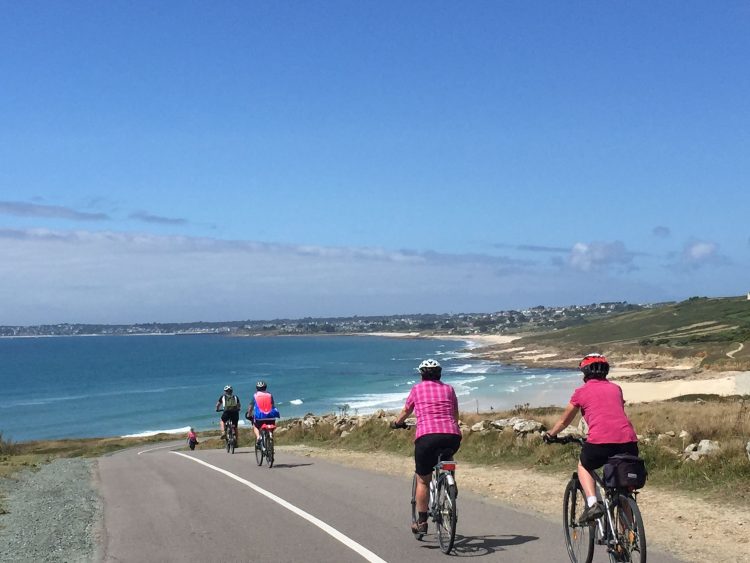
column 347, row 541
column 159, row 448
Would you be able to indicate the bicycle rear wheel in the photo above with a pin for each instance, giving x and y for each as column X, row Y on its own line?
column 631, row 536
column 447, row 515
column 259, row 451
column 414, row 515
column 579, row 538
column 268, row 440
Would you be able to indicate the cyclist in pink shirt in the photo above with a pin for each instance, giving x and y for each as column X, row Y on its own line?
column 438, row 435
column 610, row 431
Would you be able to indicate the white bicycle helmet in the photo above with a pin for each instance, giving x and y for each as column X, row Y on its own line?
column 228, row 389
column 429, row 364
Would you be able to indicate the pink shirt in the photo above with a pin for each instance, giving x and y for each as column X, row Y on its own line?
column 435, row 405
column 601, row 405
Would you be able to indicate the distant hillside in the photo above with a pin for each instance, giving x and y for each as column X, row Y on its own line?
column 716, row 332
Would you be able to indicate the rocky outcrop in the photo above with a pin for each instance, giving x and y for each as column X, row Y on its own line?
column 695, row 452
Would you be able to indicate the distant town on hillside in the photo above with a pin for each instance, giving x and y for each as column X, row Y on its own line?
column 501, row 322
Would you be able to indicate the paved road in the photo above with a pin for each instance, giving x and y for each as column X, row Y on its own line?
column 208, row 505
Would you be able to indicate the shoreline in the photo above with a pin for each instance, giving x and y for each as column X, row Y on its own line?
column 647, row 384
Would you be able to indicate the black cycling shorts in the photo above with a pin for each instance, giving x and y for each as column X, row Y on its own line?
column 593, row 456
column 234, row 416
column 427, row 448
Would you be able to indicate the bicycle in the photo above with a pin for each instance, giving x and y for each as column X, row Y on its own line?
column 231, row 436
column 264, row 448
column 442, row 506
column 620, row 528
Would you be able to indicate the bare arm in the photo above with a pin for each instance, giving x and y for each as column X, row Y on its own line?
column 402, row 416
column 567, row 417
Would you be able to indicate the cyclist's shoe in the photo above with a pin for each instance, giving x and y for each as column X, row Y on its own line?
column 418, row 528
column 592, row 513
column 257, row 443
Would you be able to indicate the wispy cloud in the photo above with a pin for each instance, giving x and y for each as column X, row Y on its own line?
column 661, row 232
column 534, row 248
column 23, row 209
column 147, row 217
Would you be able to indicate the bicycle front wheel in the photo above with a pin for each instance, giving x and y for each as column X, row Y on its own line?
column 258, row 452
column 268, row 440
column 579, row 538
column 447, row 515
column 631, row 536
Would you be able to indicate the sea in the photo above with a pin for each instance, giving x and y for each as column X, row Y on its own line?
column 97, row 386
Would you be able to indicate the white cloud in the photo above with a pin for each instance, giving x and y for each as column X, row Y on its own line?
column 697, row 254
column 588, row 257
column 111, row 277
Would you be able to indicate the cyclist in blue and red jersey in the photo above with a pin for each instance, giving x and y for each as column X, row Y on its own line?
column 261, row 409
column 436, row 406
column 610, row 431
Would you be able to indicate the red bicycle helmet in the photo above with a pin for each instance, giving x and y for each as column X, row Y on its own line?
column 594, row 365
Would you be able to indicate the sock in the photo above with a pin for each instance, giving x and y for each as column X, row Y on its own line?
column 422, row 517
column 591, row 501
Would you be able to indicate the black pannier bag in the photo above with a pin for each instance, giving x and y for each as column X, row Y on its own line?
column 625, row 470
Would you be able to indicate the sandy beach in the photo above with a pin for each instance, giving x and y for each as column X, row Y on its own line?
column 729, row 383
column 640, row 383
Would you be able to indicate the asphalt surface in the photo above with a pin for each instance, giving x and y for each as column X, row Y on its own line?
column 212, row 506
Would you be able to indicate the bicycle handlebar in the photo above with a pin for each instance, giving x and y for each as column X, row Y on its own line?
column 562, row 439
column 402, row 426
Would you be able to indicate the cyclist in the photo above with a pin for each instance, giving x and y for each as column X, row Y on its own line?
column 610, row 431
column 230, row 404
column 261, row 409
column 436, row 406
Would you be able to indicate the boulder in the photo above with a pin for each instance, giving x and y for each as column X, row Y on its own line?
column 571, row 431
column 695, row 452
column 526, row 426
column 502, row 423
column 345, row 433
column 309, row 422
column 685, row 435
column 479, row 426
column 708, row 447
column 670, row 433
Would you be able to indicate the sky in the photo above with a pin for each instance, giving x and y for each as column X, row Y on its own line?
column 184, row 161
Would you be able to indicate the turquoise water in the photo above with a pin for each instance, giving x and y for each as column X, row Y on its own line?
column 113, row 386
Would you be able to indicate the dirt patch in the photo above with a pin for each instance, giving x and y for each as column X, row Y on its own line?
column 685, row 525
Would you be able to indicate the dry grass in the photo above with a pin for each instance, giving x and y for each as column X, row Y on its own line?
column 725, row 477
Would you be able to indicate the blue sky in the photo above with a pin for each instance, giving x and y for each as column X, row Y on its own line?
column 179, row 161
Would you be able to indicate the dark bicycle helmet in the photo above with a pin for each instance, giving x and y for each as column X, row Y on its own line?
column 260, row 385
column 594, row 366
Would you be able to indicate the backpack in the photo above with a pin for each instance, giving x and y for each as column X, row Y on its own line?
column 625, row 471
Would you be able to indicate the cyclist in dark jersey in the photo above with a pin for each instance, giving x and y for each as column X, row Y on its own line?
column 230, row 404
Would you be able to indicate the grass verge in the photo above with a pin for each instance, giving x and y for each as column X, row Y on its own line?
column 721, row 478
